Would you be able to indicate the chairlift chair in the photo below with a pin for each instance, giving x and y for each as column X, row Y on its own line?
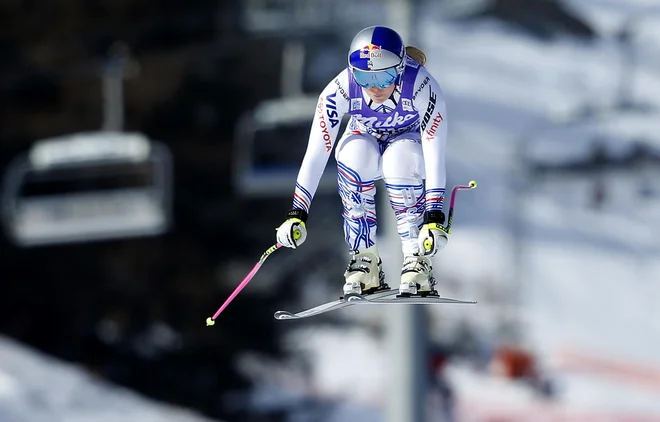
column 270, row 144
column 88, row 186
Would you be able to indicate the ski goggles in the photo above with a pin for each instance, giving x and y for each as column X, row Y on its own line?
column 380, row 79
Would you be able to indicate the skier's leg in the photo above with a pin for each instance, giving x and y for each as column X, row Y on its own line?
column 403, row 171
column 358, row 164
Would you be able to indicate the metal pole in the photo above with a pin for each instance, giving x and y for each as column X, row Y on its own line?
column 406, row 333
column 293, row 66
column 114, row 73
column 406, row 352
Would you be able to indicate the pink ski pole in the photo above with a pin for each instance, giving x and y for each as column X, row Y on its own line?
column 450, row 215
column 211, row 320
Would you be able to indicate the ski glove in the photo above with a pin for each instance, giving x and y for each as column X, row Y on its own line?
column 292, row 232
column 432, row 236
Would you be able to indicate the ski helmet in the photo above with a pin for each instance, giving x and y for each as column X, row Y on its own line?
column 377, row 57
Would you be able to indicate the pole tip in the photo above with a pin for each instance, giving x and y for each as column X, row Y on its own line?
column 209, row 321
column 472, row 184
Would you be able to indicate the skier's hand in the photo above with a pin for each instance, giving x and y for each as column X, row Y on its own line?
column 292, row 232
column 432, row 236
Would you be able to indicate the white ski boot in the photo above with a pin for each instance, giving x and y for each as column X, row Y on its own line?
column 416, row 276
column 364, row 273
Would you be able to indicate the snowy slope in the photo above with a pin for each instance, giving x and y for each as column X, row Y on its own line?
column 590, row 280
column 37, row 388
column 503, row 87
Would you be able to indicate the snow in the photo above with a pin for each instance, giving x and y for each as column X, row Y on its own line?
column 38, row 388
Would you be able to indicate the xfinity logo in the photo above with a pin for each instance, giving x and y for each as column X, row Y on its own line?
column 434, row 126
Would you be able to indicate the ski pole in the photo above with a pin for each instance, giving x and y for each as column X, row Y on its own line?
column 450, row 214
column 211, row 320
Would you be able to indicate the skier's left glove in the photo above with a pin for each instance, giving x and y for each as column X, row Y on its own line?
column 432, row 236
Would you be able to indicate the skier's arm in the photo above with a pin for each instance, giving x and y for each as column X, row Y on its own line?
column 331, row 107
column 429, row 100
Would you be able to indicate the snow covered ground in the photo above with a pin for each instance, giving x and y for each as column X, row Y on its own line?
column 38, row 388
column 596, row 275
column 589, row 283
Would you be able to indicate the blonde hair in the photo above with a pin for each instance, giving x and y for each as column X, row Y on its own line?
column 416, row 54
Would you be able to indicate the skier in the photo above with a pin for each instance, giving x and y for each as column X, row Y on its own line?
column 397, row 132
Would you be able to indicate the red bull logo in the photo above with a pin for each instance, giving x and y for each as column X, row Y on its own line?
column 371, row 51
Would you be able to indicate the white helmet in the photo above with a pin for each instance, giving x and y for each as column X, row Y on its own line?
column 377, row 57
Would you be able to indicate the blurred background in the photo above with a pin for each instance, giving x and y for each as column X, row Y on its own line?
column 148, row 150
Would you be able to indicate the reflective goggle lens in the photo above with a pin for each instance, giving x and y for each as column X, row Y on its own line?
column 381, row 79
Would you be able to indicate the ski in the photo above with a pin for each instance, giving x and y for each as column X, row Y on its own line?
column 397, row 300
column 334, row 305
column 378, row 298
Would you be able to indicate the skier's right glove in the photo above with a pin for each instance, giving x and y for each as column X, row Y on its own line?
column 292, row 232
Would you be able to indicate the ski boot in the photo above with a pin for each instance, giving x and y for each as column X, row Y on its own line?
column 416, row 277
column 364, row 273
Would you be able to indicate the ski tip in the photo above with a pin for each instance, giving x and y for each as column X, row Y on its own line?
column 282, row 315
